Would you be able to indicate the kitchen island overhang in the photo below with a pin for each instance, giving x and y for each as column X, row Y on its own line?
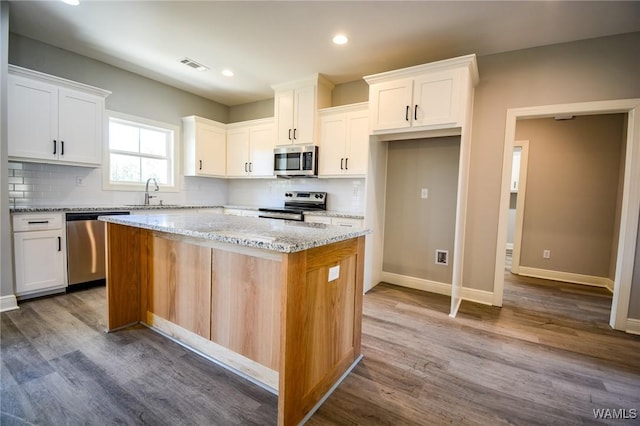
column 277, row 301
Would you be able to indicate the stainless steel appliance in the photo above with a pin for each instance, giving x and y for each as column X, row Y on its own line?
column 85, row 247
column 295, row 161
column 295, row 204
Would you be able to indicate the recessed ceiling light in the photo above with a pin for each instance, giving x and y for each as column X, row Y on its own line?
column 340, row 39
column 71, row 2
column 227, row 73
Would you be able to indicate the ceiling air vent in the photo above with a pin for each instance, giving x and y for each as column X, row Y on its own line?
column 193, row 64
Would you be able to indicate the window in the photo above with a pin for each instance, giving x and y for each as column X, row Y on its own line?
column 139, row 149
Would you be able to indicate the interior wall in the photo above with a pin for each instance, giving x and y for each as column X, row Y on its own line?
column 131, row 93
column 6, row 258
column 589, row 70
column 252, row 111
column 416, row 227
column 572, row 192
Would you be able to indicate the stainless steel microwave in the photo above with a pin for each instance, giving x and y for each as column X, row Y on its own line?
column 295, row 161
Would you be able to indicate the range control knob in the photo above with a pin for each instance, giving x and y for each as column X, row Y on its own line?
column 288, row 194
column 318, row 195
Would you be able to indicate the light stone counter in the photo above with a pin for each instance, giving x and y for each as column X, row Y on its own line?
column 268, row 234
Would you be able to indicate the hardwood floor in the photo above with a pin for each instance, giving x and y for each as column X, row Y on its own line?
column 546, row 357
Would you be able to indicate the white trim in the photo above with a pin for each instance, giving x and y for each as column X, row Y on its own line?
column 59, row 81
column 8, row 303
column 569, row 277
column 630, row 197
column 469, row 294
column 633, row 326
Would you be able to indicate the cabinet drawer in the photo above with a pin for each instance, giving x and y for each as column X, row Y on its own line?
column 37, row 221
column 317, row 219
column 347, row 222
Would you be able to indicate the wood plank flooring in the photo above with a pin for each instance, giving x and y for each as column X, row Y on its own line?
column 547, row 357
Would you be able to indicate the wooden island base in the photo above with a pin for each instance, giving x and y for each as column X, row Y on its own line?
column 275, row 317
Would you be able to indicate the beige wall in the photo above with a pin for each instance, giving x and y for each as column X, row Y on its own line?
column 416, row 227
column 572, row 193
column 131, row 93
column 590, row 70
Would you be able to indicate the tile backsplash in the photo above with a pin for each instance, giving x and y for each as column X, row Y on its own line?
column 34, row 184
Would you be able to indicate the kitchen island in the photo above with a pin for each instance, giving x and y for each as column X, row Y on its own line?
column 278, row 302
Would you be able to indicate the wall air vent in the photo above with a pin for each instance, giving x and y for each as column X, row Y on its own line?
column 193, row 64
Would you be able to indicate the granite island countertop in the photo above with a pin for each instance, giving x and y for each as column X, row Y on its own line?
column 269, row 234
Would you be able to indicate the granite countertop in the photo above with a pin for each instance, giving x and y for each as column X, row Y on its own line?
column 268, row 234
column 126, row 207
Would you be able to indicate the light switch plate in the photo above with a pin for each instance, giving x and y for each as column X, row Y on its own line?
column 424, row 194
column 334, row 273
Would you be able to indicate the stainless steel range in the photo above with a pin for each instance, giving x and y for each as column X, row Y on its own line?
column 295, row 204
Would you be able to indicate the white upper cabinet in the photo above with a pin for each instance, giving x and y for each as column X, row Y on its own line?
column 344, row 141
column 424, row 97
column 53, row 120
column 296, row 109
column 250, row 148
column 205, row 146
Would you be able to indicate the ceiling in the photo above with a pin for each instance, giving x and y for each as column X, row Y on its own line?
column 269, row 42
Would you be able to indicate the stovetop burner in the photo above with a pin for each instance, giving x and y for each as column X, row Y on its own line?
column 295, row 204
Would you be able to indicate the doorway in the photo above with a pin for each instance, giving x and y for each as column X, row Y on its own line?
column 630, row 205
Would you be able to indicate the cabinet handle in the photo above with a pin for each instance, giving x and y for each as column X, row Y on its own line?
column 415, row 113
column 61, row 147
column 55, row 145
column 289, row 134
column 250, row 167
column 346, row 163
column 245, row 167
column 406, row 113
column 59, row 244
column 294, row 134
column 200, row 164
column 342, row 164
column 38, row 222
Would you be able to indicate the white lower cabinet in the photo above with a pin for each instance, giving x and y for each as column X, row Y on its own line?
column 39, row 242
column 338, row 221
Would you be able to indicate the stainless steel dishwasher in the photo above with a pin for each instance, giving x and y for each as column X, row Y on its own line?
column 86, row 247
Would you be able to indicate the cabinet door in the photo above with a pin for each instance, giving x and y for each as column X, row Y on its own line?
column 357, row 143
column 284, row 116
column 304, row 115
column 211, row 155
column 80, row 127
column 436, row 99
column 262, row 141
column 39, row 260
column 32, row 119
column 333, row 133
column 238, row 152
column 390, row 104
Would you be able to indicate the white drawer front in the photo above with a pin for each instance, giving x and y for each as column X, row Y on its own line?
column 37, row 221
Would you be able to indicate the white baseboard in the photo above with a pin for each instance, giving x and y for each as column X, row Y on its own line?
column 633, row 326
column 470, row 294
column 567, row 277
column 8, row 303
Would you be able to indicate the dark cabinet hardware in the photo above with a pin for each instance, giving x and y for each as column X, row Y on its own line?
column 55, row 145
column 59, row 244
column 61, row 147
column 38, row 222
column 342, row 164
column 346, row 163
column 200, row 164
column 406, row 113
column 415, row 113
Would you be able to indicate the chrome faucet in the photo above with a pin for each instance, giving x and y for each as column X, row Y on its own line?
column 147, row 197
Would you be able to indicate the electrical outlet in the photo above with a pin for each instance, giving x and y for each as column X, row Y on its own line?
column 334, row 273
column 79, row 181
column 546, row 254
column 424, row 194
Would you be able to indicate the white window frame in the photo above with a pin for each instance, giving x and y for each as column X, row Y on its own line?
column 108, row 185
